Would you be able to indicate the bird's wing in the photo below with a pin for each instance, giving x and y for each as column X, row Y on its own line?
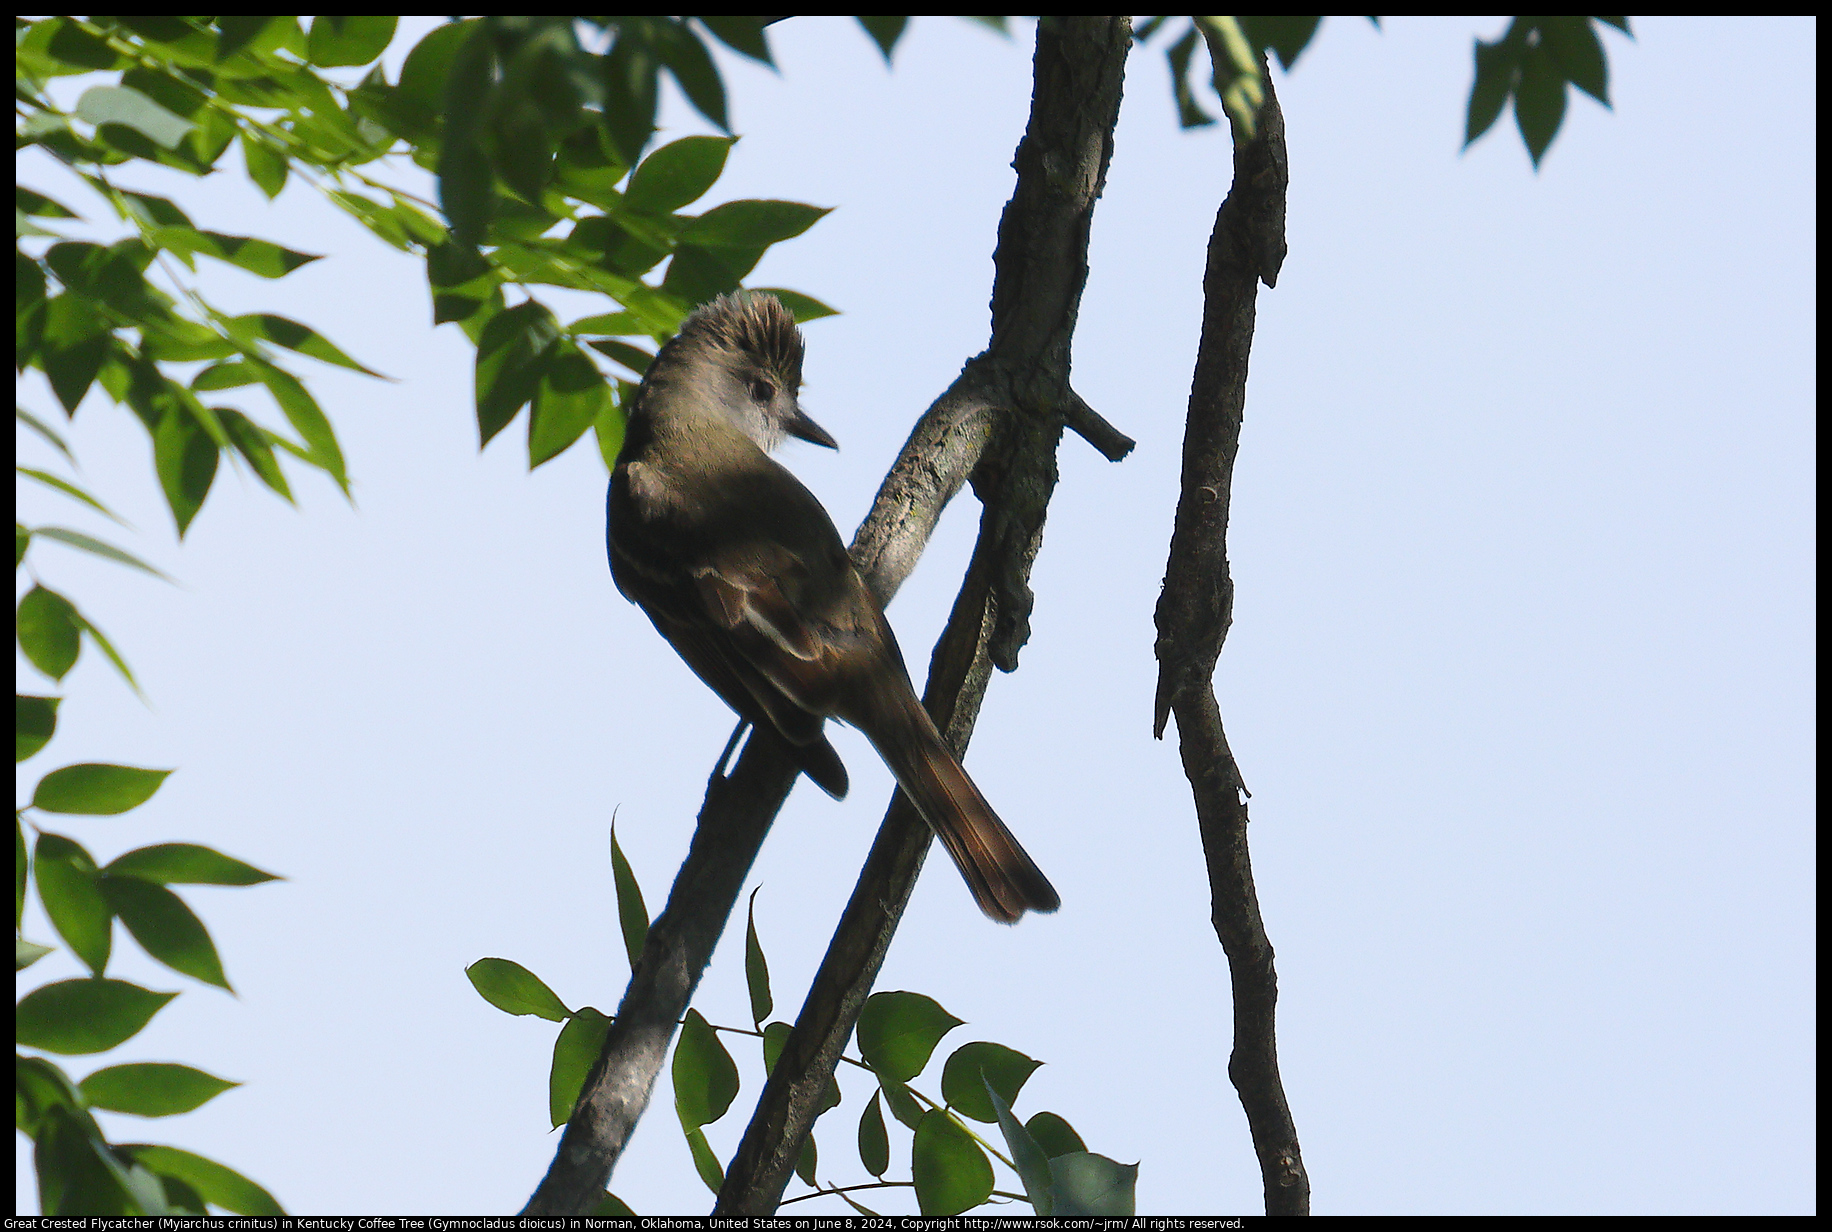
column 799, row 624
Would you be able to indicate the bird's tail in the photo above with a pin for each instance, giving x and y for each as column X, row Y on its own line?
column 1004, row 880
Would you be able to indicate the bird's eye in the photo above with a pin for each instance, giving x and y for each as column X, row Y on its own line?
column 762, row 390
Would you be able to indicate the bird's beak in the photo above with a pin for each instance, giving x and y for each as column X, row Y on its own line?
column 800, row 425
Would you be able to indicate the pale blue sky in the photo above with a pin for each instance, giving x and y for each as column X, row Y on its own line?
column 1520, row 673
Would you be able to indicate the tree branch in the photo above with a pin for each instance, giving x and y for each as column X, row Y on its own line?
column 1041, row 267
column 998, row 424
column 1195, row 609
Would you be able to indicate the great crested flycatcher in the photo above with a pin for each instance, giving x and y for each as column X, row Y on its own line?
column 740, row 568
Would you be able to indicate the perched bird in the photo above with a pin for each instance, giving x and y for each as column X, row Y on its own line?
column 740, row 568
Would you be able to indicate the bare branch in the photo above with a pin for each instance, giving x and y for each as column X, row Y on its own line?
column 1041, row 267
column 1086, row 422
column 1195, row 608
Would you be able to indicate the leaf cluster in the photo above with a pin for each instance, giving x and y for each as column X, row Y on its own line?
column 79, row 1171
column 1531, row 64
column 1534, row 63
column 950, row 1163
column 538, row 143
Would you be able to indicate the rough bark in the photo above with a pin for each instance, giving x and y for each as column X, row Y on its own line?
column 998, row 425
column 1195, row 609
column 1040, row 269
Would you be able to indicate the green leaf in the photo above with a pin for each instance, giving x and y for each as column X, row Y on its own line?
column 51, row 435
column 744, row 35
column 1539, row 101
column 22, row 540
column 678, row 174
column 347, row 41
column 152, row 1090
column 171, row 91
column 514, row 989
column 1287, row 37
column 1238, row 77
column 1189, row 113
column 609, row 429
column 874, row 1142
column 267, row 167
column 186, row 864
column 704, row 1161
column 520, row 145
column 37, row 205
column 96, row 789
column 756, row 969
column 129, row 107
column 177, row 340
column 239, row 30
column 307, row 418
column 231, row 374
column 902, row 1104
column 1085, row 1184
column 951, row 1171
column 691, row 66
column 1027, row 1154
column 251, row 441
column 611, row 323
column 107, row 648
column 805, row 308
column 40, row 1086
column 78, row 49
column 611, row 1206
column 751, row 224
column 510, row 362
column 84, row 1016
column 467, row 189
column 20, row 860
column 185, row 458
column 628, row 80
column 290, row 334
column 775, row 1036
column 49, row 631
column 216, row 1183
column 76, row 342
column 1574, row 45
column 885, row 31
column 696, row 275
column 574, row 1053
column 112, row 276
column 25, row 953
column 77, row 539
column 571, row 393
column 34, row 722
column 632, row 915
column 1055, row 1135
column 705, row 1077
column 974, row 1067
column 428, row 66
column 68, row 489
column 634, row 358
column 77, row 1175
column 1497, row 71
column 899, row 1030
column 166, row 928
column 257, row 256
column 70, row 889
column 809, row 1159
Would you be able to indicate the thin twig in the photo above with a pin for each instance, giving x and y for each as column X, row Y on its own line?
column 1246, row 248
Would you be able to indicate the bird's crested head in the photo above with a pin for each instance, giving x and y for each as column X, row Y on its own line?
column 742, row 354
